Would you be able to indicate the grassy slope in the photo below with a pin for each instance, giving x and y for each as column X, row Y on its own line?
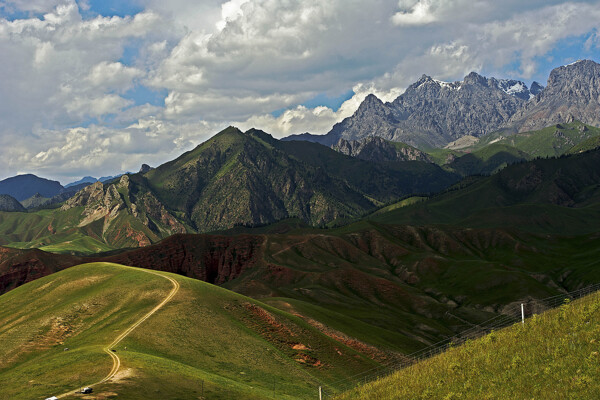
column 237, row 346
column 545, row 195
column 554, row 355
column 399, row 282
column 551, row 141
column 589, row 144
column 495, row 151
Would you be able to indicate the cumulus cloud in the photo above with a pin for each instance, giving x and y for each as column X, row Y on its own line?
column 99, row 150
column 66, row 100
column 52, row 62
column 318, row 120
column 414, row 13
column 36, row 6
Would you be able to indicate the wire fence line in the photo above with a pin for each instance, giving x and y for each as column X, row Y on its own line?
column 514, row 313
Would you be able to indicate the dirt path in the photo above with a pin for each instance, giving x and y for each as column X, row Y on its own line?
column 108, row 349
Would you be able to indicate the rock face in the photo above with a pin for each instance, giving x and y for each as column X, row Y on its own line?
column 374, row 148
column 9, row 203
column 573, row 93
column 18, row 267
column 211, row 258
column 113, row 203
column 433, row 113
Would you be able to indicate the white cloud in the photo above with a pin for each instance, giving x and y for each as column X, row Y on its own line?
column 112, row 76
column 414, row 13
column 235, row 62
column 36, row 6
column 230, row 11
column 97, row 150
column 52, row 62
column 82, row 107
column 318, row 120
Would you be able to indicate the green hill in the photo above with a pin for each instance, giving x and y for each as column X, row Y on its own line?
column 407, row 277
column 587, row 145
column 557, row 195
column 233, row 179
column 552, row 356
column 551, row 141
column 206, row 342
column 250, row 178
column 497, row 150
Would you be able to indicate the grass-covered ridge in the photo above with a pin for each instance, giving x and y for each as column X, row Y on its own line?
column 495, row 151
column 204, row 339
column 554, row 355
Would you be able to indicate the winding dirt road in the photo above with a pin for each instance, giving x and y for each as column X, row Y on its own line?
column 108, row 349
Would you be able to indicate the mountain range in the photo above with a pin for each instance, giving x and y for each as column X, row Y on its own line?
column 235, row 178
column 402, row 276
column 432, row 113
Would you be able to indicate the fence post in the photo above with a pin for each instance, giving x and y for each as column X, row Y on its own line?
column 522, row 314
column 320, row 394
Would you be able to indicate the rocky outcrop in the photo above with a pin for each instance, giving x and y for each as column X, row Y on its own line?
column 572, row 93
column 433, row 113
column 18, row 267
column 9, row 203
column 211, row 258
column 374, row 148
column 109, row 201
column 98, row 202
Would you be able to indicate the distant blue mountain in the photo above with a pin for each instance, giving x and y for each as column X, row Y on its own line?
column 91, row 179
column 22, row 187
column 85, row 179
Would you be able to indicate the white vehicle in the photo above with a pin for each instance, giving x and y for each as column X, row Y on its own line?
column 87, row 390
column 52, row 398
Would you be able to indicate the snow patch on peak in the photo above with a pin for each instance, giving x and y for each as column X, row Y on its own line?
column 448, row 85
column 573, row 63
column 513, row 87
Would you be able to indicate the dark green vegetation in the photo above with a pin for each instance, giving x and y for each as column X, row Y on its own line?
column 233, row 179
column 495, row 151
column 553, row 356
column 206, row 339
column 250, row 178
column 406, row 277
column 559, row 196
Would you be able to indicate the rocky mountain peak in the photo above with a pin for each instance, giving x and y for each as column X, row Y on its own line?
column 536, row 88
column 377, row 149
column 9, row 203
column 573, row 92
column 475, row 79
column 580, row 74
column 371, row 102
column 514, row 88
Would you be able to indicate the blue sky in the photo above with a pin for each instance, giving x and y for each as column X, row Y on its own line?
column 97, row 87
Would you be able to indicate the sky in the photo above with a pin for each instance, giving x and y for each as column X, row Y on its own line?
column 98, row 87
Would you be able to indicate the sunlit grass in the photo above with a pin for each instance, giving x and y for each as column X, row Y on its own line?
column 555, row 355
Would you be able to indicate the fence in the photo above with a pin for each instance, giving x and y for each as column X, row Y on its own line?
column 516, row 312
